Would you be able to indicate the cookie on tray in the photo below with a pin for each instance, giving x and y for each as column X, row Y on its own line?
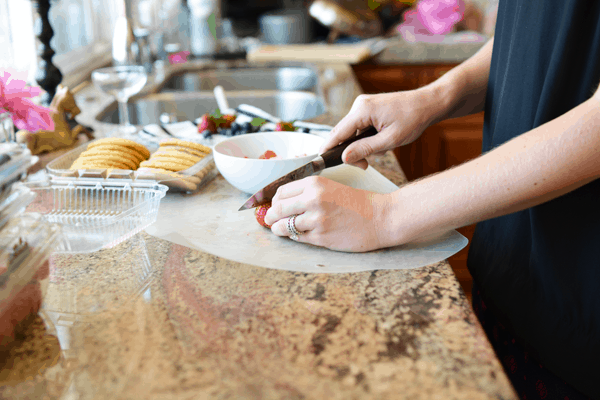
column 176, row 155
column 112, row 153
column 123, row 143
column 186, row 150
column 130, row 154
column 170, row 153
column 187, row 182
column 98, row 165
column 133, row 165
column 186, row 144
column 169, row 163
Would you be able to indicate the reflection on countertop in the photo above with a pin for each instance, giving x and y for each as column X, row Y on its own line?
column 205, row 326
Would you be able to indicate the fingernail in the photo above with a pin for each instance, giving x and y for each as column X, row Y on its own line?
column 349, row 158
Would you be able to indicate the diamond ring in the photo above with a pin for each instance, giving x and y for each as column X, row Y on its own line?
column 291, row 227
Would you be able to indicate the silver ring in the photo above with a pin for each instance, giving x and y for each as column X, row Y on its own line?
column 291, row 227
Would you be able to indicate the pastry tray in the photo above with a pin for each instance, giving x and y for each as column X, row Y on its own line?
column 189, row 180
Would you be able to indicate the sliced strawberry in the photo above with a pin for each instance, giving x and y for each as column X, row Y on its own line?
column 267, row 154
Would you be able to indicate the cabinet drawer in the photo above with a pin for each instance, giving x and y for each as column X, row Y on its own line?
column 392, row 78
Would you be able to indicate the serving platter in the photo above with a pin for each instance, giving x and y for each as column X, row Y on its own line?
column 189, row 180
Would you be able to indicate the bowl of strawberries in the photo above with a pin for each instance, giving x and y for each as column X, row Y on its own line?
column 250, row 162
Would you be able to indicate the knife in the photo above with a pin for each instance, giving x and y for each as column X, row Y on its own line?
column 330, row 158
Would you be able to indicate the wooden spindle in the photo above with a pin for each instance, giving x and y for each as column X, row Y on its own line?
column 48, row 76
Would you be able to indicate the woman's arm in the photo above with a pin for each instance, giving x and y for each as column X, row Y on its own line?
column 535, row 167
column 401, row 117
column 462, row 90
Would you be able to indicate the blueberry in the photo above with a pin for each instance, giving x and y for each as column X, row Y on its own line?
column 305, row 130
column 248, row 127
column 206, row 134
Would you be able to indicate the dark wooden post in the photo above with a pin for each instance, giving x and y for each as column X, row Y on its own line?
column 47, row 76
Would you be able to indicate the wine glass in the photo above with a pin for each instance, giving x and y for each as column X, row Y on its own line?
column 122, row 82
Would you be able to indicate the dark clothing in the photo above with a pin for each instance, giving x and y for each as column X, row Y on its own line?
column 539, row 269
column 529, row 378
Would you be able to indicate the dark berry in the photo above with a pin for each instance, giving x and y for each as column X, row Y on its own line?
column 248, row 127
column 206, row 134
column 305, row 130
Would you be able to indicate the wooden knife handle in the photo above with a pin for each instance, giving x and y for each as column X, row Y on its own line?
column 333, row 157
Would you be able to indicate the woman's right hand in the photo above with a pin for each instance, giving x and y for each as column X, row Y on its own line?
column 399, row 117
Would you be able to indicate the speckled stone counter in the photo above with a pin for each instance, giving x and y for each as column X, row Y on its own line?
column 151, row 319
column 399, row 51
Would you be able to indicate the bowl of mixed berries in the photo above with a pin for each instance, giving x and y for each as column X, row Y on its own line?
column 231, row 125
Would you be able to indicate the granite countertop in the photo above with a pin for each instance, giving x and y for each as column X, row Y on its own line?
column 452, row 50
column 152, row 319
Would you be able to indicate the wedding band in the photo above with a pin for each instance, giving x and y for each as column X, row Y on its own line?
column 291, row 227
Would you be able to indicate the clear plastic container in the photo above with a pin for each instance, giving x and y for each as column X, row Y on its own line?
column 15, row 160
column 26, row 242
column 96, row 213
column 14, row 202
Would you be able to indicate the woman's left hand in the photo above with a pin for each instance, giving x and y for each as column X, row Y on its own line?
column 331, row 215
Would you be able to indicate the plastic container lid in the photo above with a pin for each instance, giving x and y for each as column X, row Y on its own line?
column 96, row 213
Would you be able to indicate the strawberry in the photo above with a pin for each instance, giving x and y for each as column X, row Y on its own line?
column 284, row 126
column 225, row 121
column 260, row 212
column 267, row 154
column 207, row 123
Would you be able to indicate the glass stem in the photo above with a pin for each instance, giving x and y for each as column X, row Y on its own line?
column 123, row 112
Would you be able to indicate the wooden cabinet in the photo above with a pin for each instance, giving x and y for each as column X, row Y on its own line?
column 441, row 146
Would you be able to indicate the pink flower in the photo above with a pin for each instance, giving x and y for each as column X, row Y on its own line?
column 431, row 20
column 179, row 58
column 25, row 114
column 440, row 16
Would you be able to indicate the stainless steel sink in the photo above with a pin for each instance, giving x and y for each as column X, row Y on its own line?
column 188, row 106
column 264, row 78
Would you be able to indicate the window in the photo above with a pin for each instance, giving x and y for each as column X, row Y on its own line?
column 82, row 35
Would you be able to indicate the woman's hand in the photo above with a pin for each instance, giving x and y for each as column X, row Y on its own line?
column 399, row 117
column 331, row 215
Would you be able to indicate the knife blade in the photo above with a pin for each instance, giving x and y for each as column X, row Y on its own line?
column 330, row 158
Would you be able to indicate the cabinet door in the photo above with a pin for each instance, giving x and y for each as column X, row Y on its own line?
column 375, row 78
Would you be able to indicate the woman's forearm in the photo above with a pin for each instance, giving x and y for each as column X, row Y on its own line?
column 533, row 168
column 461, row 91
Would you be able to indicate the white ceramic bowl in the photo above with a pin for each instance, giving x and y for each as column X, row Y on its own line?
column 252, row 174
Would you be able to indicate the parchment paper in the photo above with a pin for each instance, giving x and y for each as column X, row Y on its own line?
column 209, row 221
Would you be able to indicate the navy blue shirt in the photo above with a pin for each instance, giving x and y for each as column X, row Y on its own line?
column 539, row 269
